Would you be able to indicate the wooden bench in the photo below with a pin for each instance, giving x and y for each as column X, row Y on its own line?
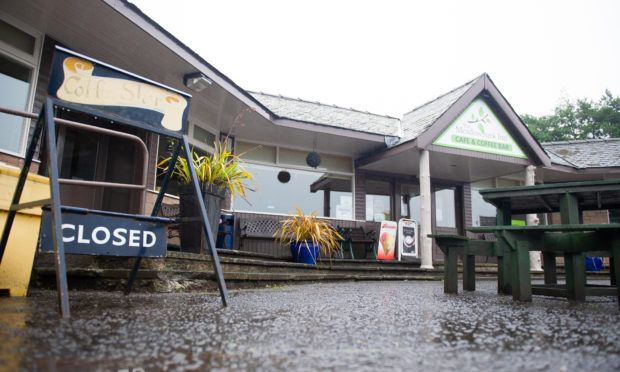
column 263, row 229
column 360, row 236
column 570, row 240
column 454, row 245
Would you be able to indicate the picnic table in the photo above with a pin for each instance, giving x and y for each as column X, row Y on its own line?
column 571, row 239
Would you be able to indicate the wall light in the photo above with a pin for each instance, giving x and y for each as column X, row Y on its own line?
column 196, row 81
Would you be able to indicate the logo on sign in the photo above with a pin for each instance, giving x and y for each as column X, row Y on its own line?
column 80, row 86
column 478, row 129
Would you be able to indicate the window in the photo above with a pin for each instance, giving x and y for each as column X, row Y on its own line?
column 286, row 181
column 614, row 216
column 445, row 212
column 79, row 155
column 204, row 136
column 483, row 213
column 282, row 189
column 378, row 200
column 18, row 59
column 410, row 202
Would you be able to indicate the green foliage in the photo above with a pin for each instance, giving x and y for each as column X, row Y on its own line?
column 300, row 227
column 222, row 169
column 582, row 119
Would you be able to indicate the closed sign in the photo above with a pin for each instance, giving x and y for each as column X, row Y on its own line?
column 106, row 235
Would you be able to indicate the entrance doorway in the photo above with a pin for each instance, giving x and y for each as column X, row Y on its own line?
column 90, row 156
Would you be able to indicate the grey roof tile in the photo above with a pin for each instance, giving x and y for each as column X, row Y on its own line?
column 331, row 115
column 595, row 153
column 418, row 120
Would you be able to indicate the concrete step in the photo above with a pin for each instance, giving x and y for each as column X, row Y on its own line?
column 186, row 271
column 180, row 271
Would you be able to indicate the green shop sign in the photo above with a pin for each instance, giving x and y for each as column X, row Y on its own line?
column 478, row 129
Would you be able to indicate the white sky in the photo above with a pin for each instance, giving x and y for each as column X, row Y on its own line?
column 388, row 57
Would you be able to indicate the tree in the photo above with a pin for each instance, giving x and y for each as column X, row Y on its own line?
column 582, row 119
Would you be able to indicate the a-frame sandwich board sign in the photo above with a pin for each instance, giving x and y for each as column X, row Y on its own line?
column 83, row 84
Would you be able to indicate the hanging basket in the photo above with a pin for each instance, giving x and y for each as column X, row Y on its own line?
column 313, row 159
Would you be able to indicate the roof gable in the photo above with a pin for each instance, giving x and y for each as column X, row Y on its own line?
column 418, row 120
column 427, row 122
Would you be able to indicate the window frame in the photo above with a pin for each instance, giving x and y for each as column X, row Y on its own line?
column 32, row 62
column 278, row 164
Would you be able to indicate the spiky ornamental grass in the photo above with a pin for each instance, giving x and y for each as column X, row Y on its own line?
column 222, row 169
column 308, row 228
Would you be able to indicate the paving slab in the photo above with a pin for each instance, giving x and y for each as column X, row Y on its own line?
column 348, row 326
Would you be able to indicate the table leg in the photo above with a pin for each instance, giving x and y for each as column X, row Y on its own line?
column 450, row 271
column 615, row 265
column 469, row 272
column 575, row 276
column 520, row 273
column 503, row 273
column 550, row 268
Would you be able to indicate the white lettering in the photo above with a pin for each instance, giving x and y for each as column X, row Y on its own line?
column 81, row 239
column 119, row 234
column 106, row 233
column 145, row 240
column 67, row 239
column 134, row 238
column 103, row 235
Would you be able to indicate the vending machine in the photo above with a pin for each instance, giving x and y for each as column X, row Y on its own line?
column 407, row 240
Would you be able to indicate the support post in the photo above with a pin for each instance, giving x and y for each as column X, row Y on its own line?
column 503, row 217
column 520, row 271
column 614, row 261
column 551, row 276
column 575, row 265
column 469, row 272
column 450, row 271
column 426, row 243
column 532, row 219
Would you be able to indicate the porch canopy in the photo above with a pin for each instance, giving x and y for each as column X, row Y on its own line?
column 472, row 133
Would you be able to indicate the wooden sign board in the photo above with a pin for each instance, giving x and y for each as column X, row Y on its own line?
column 106, row 235
column 95, row 87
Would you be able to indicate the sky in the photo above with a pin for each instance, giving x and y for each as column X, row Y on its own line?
column 388, row 57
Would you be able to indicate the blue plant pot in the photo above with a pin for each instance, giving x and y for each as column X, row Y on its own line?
column 305, row 252
column 594, row 263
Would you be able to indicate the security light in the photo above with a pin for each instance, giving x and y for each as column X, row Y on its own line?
column 196, row 81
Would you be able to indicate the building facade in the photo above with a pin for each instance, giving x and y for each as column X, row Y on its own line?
column 427, row 165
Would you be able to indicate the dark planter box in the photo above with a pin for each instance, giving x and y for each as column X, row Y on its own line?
column 192, row 233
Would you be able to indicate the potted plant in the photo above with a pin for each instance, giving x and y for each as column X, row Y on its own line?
column 307, row 236
column 217, row 173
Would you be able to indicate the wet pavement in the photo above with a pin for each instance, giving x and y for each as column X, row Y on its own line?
column 358, row 326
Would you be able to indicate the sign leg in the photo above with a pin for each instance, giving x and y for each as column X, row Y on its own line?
column 205, row 225
column 59, row 250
